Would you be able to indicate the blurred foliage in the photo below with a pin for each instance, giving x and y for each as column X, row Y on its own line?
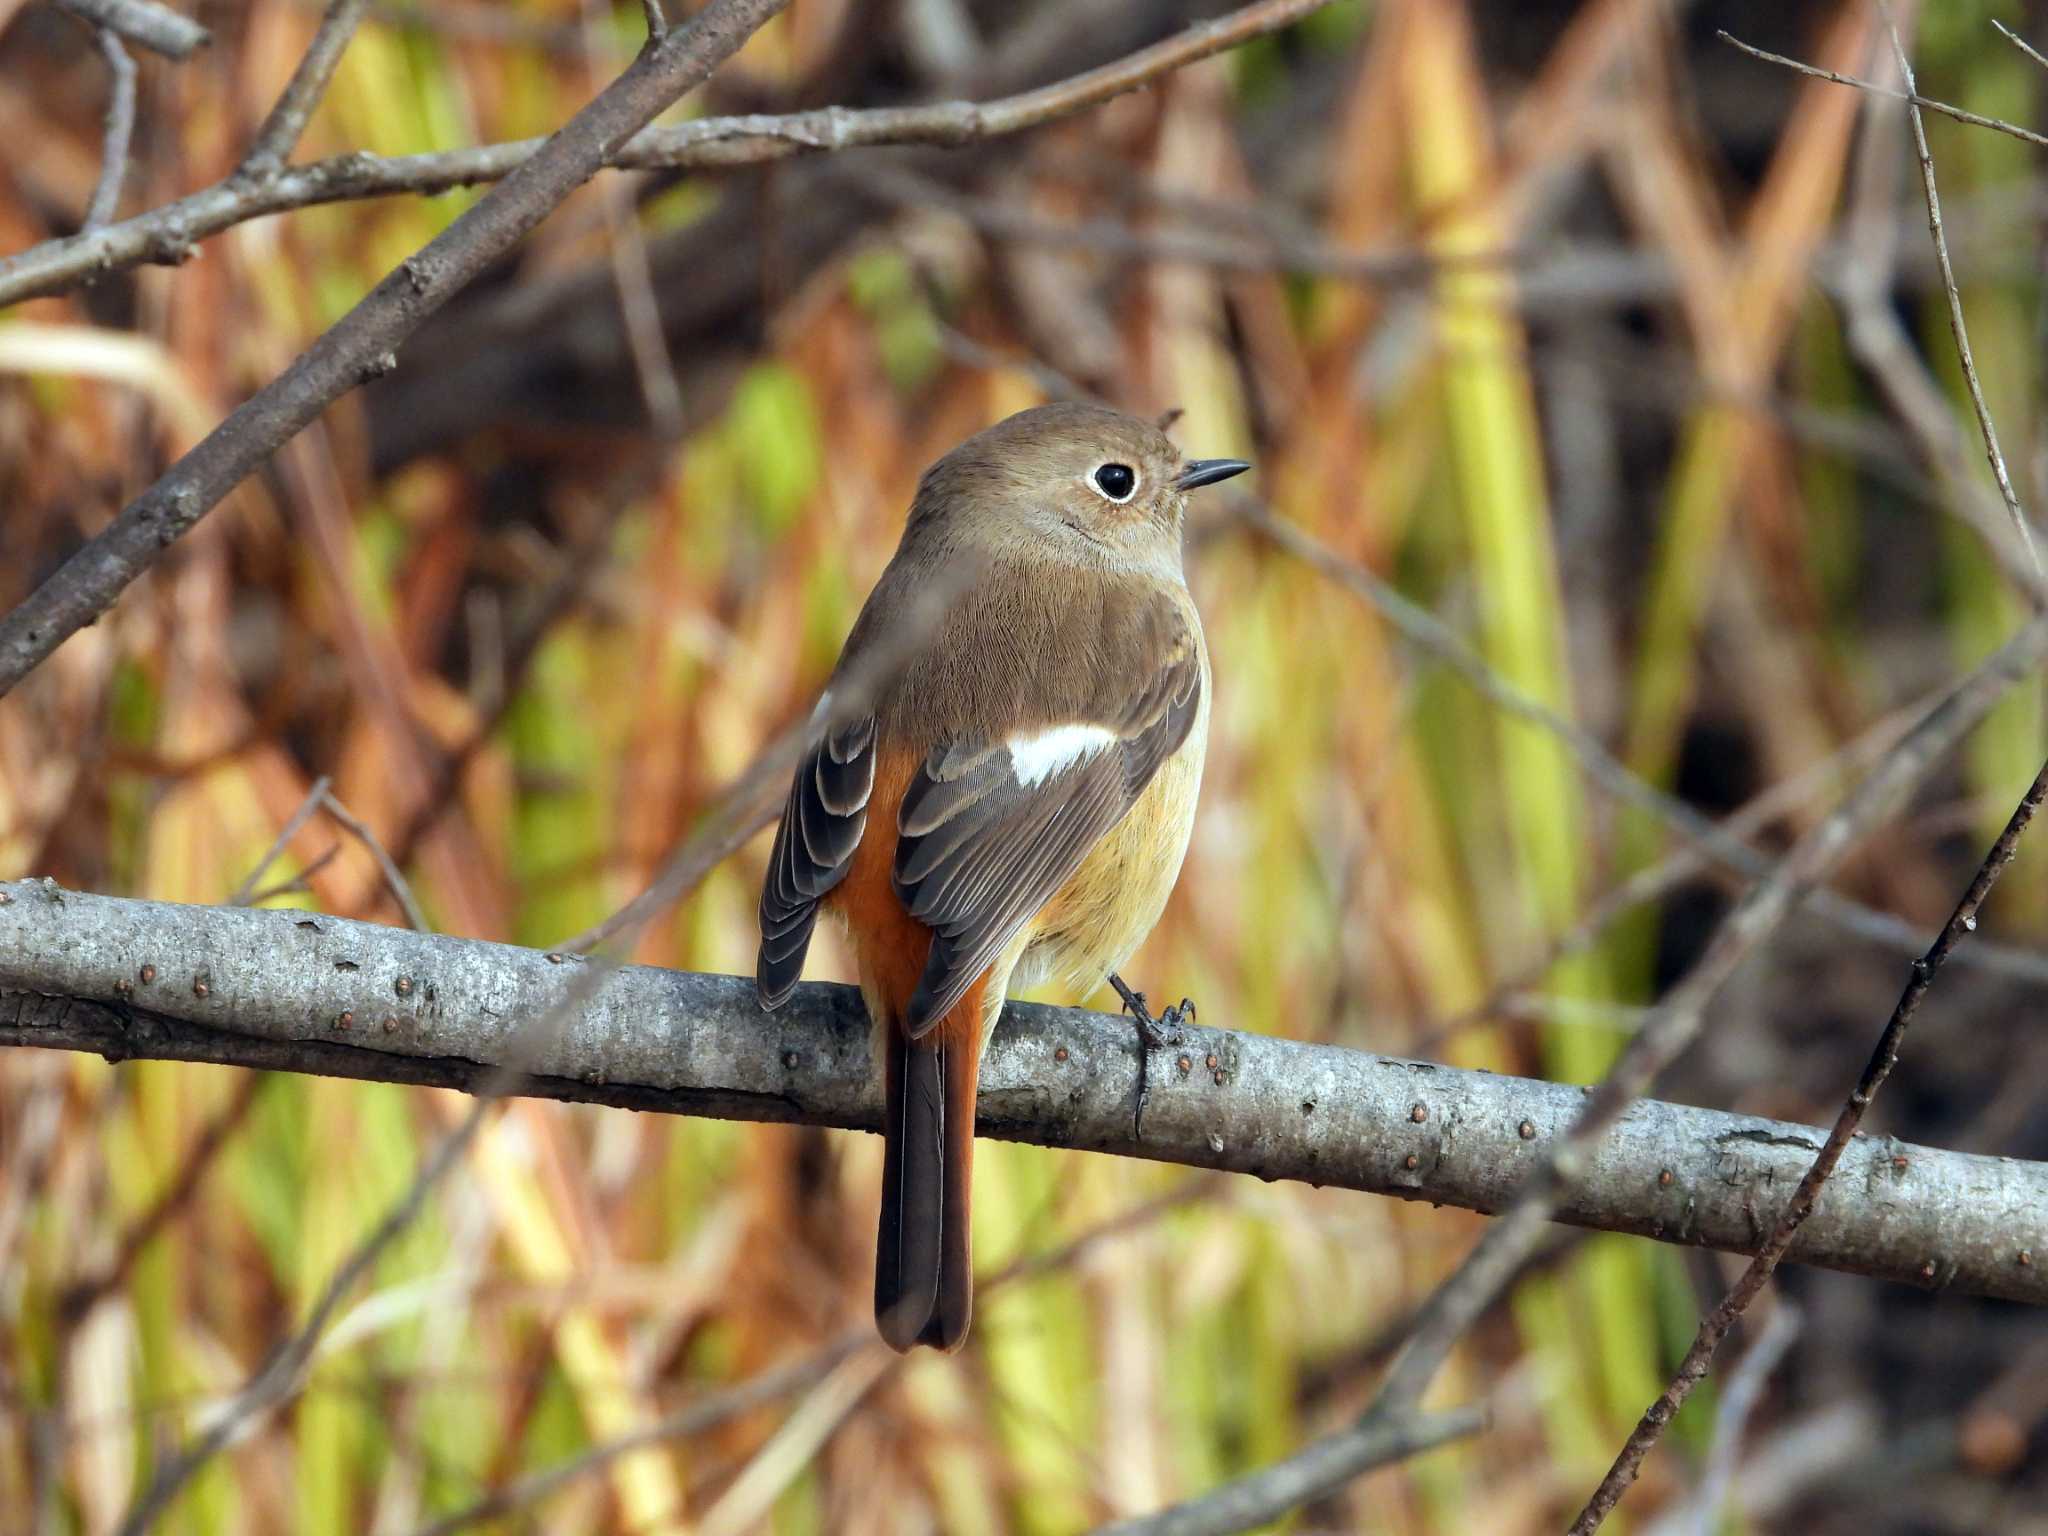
column 1666, row 504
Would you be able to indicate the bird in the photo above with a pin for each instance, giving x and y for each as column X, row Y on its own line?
column 1013, row 804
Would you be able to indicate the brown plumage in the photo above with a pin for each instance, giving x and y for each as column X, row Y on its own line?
column 1017, row 804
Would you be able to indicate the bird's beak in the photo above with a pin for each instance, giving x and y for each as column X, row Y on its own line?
column 1200, row 472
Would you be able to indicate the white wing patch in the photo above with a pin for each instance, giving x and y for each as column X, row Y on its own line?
column 1036, row 758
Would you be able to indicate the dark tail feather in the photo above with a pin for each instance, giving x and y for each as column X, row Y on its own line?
column 924, row 1268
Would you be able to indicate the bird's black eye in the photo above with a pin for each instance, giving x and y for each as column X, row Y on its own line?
column 1116, row 481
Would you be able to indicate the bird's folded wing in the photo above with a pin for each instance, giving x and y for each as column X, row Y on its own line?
column 988, row 831
column 821, row 826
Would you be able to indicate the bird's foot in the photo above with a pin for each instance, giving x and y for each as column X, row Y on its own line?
column 1162, row 1031
column 1153, row 1034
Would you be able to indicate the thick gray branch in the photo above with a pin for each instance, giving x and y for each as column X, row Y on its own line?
column 303, row 992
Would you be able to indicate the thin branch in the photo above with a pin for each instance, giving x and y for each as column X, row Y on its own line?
column 143, row 23
column 1253, row 1501
column 1559, row 1175
column 394, row 878
column 170, row 234
column 299, row 991
column 2019, row 42
column 299, row 884
column 1961, row 331
column 1738, row 1404
column 362, row 345
column 1715, row 1325
column 1926, row 103
column 282, row 129
column 244, row 895
column 1602, row 768
column 119, row 130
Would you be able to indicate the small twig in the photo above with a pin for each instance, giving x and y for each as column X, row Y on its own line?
column 120, row 130
column 1738, row 1404
column 301, row 882
column 282, row 129
column 393, row 877
column 639, row 305
column 1714, row 1327
column 1961, row 331
column 145, row 24
column 1602, row 768
column 1997, row 125
column 1265, row 1495
column 290, row 830
column 2019, row 42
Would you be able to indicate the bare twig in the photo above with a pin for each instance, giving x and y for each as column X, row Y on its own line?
column 145, row 24
column 639, row 307
column 657, row 23
column 119, row 130
column 2019, row 42
column 1667, row 1030
column 1601, row 767
column 363, row 343
column 1738, row 1404
column 298, row 818
column 394, row 878
column 1956, row 325
column 1714, row 1327
column 298, row 883
column 281, row 130
column 169, row 234
column 1925, row 103
column 1253, row 1501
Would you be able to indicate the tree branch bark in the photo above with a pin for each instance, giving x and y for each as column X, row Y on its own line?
column 297, row 991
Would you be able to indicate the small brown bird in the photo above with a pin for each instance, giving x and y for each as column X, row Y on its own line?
column 1017, row 804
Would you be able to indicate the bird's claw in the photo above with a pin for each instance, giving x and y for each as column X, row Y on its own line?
column 1153, row 1034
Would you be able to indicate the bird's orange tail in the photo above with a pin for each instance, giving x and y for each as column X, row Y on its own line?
column 924, row 1261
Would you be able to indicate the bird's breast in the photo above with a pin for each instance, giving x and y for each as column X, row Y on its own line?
column 1103, row 913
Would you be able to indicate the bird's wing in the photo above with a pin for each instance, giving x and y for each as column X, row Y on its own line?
column 821, row 826
column 988, row 831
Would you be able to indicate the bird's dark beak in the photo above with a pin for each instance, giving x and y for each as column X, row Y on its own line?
column 1200, row 472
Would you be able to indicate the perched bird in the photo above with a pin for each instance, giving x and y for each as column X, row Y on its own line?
column 1016, row 805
